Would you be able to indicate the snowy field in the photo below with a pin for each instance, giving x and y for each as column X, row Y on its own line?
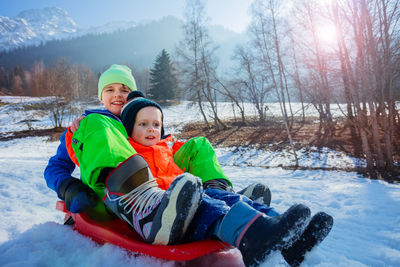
column 174, row 117
column 366, row 212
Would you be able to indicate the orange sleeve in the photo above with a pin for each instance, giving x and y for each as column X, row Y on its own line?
column 71, row 152
column 176, row 146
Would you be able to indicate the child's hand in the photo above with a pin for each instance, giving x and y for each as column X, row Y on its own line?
column 78, row 197
column 75, row 124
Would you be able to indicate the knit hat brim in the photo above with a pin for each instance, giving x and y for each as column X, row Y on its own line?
column 136, row 102
column 116, row 74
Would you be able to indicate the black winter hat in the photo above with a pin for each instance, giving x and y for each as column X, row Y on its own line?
column 135, row 102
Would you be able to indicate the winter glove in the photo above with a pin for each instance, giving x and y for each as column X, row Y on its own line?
column 78, row 197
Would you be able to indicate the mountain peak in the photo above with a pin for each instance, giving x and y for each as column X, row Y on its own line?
column 33, row 26
column 42, row 13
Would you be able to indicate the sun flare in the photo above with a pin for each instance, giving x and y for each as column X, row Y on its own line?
column 326, row 33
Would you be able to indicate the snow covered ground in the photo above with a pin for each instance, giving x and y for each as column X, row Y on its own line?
column 366, row 212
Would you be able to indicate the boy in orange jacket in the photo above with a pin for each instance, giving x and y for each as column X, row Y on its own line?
column 254, row 228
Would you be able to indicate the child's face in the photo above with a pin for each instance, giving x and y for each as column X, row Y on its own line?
column 147, row 128
column 114, row 97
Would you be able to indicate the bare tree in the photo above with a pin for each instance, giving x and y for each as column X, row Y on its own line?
column 297, row 80
column 189, row 52
column 233, row 91
column 317, row 59
column 59, row 81
column 198, row 62
column 36, row 83
column 268, row 38
column 253, row 81
column 17, row 85
column 369, row 59
column 86, row 82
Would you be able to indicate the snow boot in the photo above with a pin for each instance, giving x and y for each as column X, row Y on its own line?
column 158, row 216
column 317, row 229
column 256, row 235
column 258, row 192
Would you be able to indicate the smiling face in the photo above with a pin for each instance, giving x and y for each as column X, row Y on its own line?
column 114, row 96
column 147, row 128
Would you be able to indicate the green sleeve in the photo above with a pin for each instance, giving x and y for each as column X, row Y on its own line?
column 197, row 156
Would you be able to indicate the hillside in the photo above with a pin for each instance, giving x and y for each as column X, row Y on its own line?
column 307, row 135
column 137, row 45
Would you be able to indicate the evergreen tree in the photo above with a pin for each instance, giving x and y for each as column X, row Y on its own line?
column 4, row 78
column 163, row 83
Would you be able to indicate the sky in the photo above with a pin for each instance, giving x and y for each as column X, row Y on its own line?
column 232, row 14
column 366, row 231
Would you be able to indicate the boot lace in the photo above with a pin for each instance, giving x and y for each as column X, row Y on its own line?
column 142, row 198
column 220, row 184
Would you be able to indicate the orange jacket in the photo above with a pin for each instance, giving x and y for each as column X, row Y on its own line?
column 160, row 160
column 68, row 140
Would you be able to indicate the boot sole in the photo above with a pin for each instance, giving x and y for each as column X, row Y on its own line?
column 316, row 231
column 176, row 210
column 296, row 221
column 291, row 226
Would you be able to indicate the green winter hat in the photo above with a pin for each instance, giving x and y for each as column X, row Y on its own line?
column 116, row 74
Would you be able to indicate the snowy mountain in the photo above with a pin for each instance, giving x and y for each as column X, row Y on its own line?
column 31, row 27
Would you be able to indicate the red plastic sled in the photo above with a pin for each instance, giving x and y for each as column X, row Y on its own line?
column 118, row 233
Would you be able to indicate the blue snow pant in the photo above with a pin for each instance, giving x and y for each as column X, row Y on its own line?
column 214, row 205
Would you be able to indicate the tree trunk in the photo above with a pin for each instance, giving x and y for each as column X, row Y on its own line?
column 366, row 149
column 199, row 102
column 380, row 162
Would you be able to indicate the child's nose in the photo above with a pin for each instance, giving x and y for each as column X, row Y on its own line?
column 118, row 93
